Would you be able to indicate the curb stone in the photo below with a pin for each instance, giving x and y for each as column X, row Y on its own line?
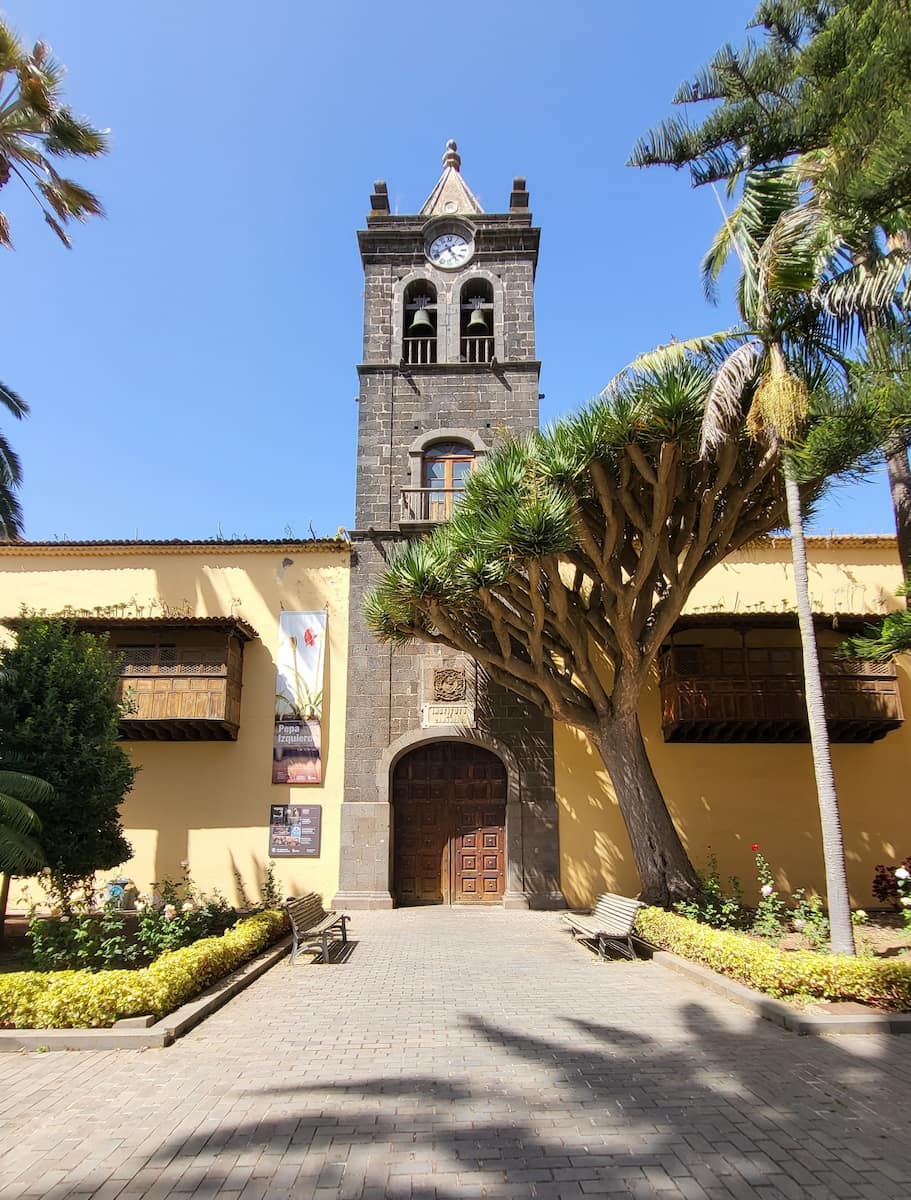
column 777, row 1011
column 148, row 1034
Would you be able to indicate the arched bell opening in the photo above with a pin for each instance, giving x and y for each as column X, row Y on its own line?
column 420, row 324
column 449, row 802
column 476, row 317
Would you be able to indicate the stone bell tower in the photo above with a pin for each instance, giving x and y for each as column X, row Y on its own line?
column 449, row 781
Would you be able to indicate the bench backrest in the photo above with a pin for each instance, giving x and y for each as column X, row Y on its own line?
column 304, row 911
column 617, row 912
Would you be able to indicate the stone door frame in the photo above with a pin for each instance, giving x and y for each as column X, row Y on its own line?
column 514, row 895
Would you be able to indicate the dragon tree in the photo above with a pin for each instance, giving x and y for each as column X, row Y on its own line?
column 573, row 553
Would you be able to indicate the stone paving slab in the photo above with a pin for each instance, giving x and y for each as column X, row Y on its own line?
column 463, row 1053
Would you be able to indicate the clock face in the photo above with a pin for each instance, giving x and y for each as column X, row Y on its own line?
column 449, row 250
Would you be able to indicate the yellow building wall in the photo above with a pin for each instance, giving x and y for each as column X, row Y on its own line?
column 726, row 797
column 207, row 803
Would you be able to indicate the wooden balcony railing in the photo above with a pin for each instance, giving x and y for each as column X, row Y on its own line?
column 755, row 694
column 428, row 505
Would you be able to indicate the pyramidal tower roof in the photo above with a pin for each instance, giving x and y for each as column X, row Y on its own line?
column 452, row 194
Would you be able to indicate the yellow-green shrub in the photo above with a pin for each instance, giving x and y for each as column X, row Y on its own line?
column 757, row 964
column 80, row 999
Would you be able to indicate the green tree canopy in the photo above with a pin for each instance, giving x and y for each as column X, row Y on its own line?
column 59, row 717
column 831, row 76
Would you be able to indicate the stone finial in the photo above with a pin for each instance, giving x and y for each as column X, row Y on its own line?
column 518, row 197
column 379, row 201
column 451, row 194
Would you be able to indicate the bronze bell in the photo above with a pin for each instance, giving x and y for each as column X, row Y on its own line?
column 477, row 323
column 421, row 324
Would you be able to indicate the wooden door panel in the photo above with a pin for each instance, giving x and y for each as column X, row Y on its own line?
column 478, row 854
column 449, row 801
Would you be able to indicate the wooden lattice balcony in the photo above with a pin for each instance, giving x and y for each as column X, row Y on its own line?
column 755, row 694
column 181, row 677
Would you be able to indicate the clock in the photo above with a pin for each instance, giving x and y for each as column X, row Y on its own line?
column 449, row 250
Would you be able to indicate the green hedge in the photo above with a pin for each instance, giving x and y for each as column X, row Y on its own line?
column 781, row 973
column 85, row 999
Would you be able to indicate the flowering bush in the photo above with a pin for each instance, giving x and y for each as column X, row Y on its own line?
column 886, row 880
column 768, row 920
column 903, row 889
column 782, row 973
column 82, row 937
column 85, row 999
column 809, row 919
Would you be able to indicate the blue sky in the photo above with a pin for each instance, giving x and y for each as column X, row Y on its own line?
column 190, row 363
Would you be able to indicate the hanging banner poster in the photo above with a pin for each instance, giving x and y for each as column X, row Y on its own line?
column 299, row 698
column 294, row 830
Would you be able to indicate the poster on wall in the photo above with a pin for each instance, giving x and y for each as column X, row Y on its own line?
column 294, row 830
column 299, row 698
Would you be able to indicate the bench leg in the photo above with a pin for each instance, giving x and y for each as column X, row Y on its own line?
column 344, row 931
column 602, row 950
column 294, row 948
column 325, row 941
column 632, row 952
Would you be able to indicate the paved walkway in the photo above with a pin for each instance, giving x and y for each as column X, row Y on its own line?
column 462, row 1053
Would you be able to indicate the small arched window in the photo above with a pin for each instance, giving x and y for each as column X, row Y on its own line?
column 445, row 466
column 419, row 324
column 476, row 311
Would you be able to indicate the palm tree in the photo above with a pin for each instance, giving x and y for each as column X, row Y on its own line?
column 10, row 471
column 799, row 297
column 36, row 127
column 20, row 851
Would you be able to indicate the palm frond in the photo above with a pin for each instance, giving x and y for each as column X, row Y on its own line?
column 724, row 405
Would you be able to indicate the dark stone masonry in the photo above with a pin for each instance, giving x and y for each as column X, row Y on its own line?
column 407, row 408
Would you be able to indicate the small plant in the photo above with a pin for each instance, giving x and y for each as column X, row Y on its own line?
column 769, row 918
column 859, row 917
column 270, row 891
column 713, row 907
column 808, row 918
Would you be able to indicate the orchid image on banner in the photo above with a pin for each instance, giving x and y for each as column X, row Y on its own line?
column 301, row 661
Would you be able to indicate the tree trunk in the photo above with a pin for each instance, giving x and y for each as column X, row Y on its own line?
column 665, row 870
column 4, row 900
column 832, row 844
column 900, row 487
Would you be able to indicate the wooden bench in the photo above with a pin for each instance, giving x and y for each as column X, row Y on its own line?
column 312, row 928
column 611, row 920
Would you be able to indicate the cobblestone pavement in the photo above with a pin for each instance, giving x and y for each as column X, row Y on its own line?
column 464, row 1053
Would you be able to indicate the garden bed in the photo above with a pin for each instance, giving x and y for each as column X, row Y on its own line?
column 799, row 976
column 91, row 999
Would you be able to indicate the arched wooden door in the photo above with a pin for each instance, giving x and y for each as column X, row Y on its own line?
column 449, row 825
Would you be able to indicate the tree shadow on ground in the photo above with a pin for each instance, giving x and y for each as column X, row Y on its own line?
column 595, row 1108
